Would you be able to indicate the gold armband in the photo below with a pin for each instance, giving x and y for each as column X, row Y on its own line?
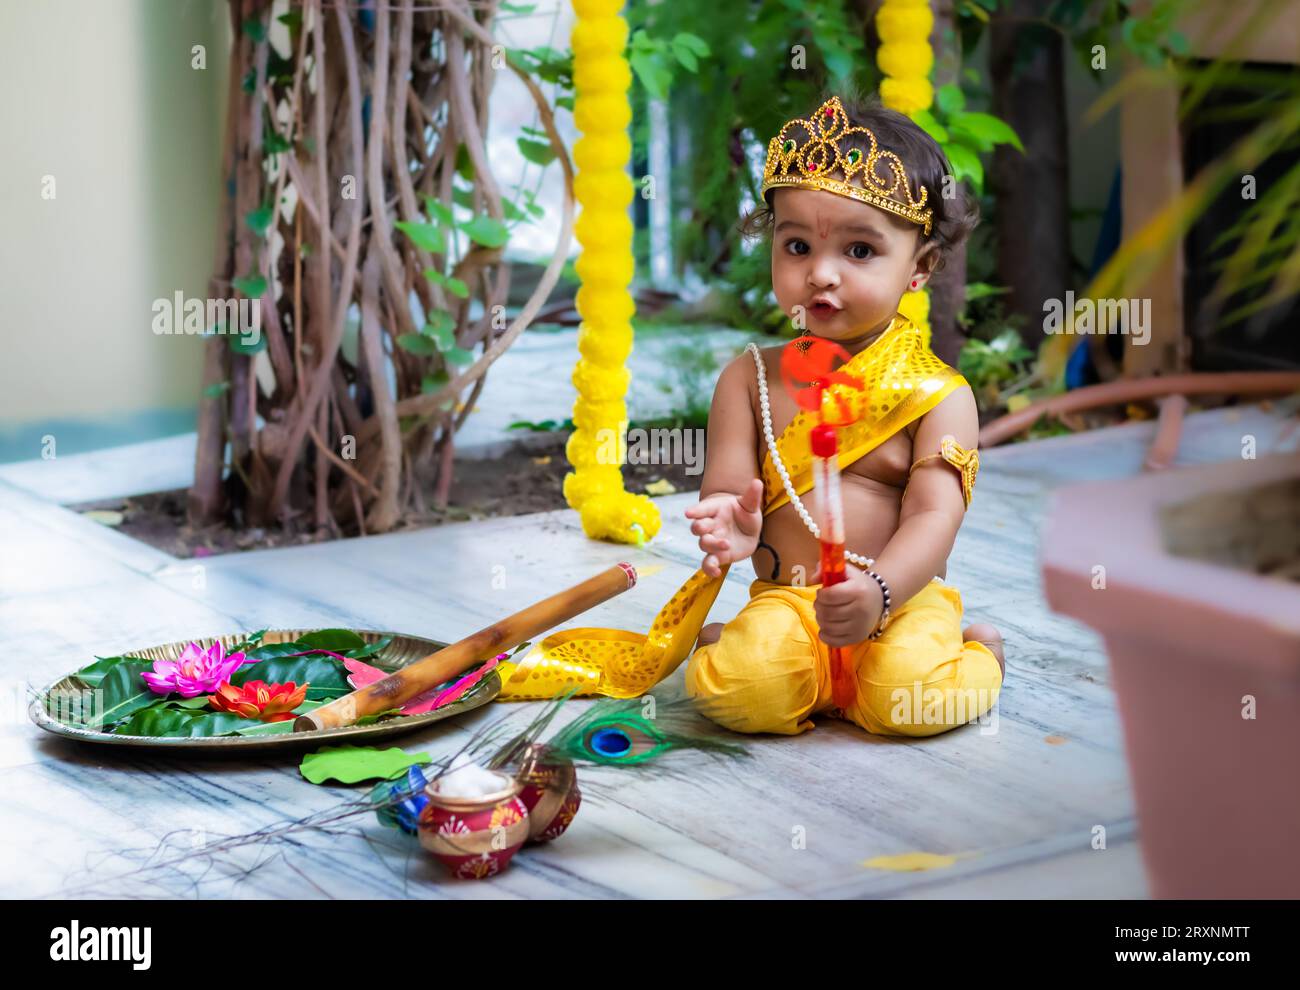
column 967, row 463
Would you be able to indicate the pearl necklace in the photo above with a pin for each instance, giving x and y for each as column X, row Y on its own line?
column 766, row 409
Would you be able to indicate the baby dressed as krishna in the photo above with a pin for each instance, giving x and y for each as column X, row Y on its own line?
column 857, row 217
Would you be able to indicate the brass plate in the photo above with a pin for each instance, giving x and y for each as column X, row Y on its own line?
column 401, row 651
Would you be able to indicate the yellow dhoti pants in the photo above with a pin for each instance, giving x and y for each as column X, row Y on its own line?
column 770, row 671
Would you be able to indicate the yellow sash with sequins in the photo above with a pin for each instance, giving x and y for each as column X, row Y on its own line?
column 902, row 380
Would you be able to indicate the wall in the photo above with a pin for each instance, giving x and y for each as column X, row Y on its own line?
column 102, row 97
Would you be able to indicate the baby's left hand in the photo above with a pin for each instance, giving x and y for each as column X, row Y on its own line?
column 847, row 612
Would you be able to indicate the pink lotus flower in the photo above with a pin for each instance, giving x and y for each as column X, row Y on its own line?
column 197, row 671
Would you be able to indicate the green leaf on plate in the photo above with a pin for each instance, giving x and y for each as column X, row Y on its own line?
column 372, row 719
column 124, row 693
column 370, row 649
column 338, row 640
column 253, row 640
column 270, row 651
column 179, row 723
column 353, row 764
column 281, row 728
column 192, row 704
column 94, row 673
column 326, row 677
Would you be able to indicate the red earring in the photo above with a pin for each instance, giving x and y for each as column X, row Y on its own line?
column 913, row 283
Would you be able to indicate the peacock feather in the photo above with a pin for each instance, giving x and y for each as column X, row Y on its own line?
column 635, row 731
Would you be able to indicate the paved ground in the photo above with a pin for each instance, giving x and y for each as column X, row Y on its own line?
column 1016, row 806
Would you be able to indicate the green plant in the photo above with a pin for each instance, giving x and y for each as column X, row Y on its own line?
column 965, row 135
column 995, row 362
column 767, row 61
column 325, row 169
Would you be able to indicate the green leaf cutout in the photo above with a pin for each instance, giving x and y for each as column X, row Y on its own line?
column 354, row 764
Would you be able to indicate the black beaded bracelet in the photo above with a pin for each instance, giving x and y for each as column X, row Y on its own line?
column 883, row 621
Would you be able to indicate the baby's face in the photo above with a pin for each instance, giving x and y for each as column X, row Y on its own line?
column 859, row 258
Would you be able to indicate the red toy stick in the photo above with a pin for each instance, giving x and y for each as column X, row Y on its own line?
column 806, row 371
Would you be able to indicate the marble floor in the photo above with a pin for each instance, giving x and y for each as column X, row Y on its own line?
column 1014, row 801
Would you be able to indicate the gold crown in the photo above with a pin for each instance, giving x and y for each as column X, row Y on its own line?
column 813, row 165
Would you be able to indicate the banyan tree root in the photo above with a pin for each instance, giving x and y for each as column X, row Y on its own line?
column 363, row 119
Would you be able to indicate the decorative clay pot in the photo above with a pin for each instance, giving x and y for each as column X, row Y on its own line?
column 1202, row 625
column 550, row 792
column 475, row 837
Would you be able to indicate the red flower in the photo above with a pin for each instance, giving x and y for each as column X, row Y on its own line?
column 259, row 700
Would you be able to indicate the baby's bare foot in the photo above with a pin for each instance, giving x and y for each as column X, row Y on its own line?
column 709, row 635
column 988, row 635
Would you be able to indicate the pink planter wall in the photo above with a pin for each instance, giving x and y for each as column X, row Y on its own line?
column 1218, row 795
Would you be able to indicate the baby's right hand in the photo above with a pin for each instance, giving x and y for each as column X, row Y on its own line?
column 728, row 526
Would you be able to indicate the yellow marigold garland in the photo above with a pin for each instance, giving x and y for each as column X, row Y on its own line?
column 906, row 58
column 603, row 189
